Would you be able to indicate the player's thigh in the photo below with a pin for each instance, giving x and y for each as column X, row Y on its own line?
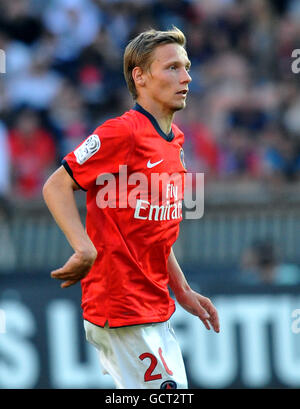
column 149, row 357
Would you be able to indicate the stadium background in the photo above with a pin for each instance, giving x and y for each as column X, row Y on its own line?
column 242, row 125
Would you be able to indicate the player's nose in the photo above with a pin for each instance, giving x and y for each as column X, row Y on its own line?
column 186, row 78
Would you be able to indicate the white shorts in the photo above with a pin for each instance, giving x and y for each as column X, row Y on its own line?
column 143, row 356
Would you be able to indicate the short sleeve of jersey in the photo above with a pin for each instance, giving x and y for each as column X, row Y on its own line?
column 102, row 152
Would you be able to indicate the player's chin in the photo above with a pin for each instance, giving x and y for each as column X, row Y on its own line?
column 179, row 105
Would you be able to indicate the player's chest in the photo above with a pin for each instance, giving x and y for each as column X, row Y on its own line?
column 154, row 154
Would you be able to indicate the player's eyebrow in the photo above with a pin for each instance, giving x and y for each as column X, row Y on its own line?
column 177, row 62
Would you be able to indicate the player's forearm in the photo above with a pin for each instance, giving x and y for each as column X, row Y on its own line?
column 59, row 197
column 177, row 280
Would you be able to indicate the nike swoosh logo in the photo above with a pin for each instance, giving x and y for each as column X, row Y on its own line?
column 151, row 165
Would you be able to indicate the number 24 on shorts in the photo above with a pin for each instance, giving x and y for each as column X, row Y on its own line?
column 153, row 362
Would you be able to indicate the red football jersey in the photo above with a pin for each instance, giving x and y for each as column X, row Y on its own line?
column 134, row 177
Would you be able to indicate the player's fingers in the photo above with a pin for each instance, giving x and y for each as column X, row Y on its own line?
column 64, row 274
column 205, row 323
column 61, row 274
column 68, row 283
column 214, row 319
column 204, row 316
column 58, row 275
column 66, row 270
column 215, row 324
column 213, row 314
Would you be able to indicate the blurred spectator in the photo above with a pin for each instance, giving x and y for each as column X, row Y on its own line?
column 235, row 25
column 202, row 153
column 19, row 21
column 120, row 18
column 100, row 70
column 33, row 154
column 36, row 88
column 7, row 250
column 168, row 12
column 75, row 23
column 18, row 55
column 281, row 158
column 291, row 115
column 262, row 37
column 261, row 264
column 249, row 116
column 69, row 118
column 5, row 179
column 239, row 157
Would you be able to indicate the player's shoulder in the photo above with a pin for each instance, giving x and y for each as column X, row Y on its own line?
column 130, row 123
column 119, row 124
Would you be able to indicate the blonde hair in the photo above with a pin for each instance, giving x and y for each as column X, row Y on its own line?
column 139, row 51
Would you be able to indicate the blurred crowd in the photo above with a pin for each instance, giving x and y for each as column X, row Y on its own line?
column 64, row 77
column 262, row 263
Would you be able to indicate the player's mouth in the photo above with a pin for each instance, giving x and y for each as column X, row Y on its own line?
column 183, row 93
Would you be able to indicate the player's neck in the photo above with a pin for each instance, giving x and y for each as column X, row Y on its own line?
column 163, row 118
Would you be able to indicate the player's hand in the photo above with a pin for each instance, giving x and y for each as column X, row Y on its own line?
column 200, row 306
column 76, row 268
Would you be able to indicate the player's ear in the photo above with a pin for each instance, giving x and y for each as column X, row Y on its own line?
column 138, row 76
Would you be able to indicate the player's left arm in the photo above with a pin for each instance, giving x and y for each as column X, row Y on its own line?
column 189, row 299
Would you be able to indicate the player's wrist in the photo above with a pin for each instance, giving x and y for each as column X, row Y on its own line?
column 87, row 254
column 182, row 292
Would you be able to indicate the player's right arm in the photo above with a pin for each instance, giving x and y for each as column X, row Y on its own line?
column 58, row 193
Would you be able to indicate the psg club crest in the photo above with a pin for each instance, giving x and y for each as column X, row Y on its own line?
column 168, row 385
column 182, row 158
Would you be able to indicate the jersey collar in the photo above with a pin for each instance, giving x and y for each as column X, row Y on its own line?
column 168, row 137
